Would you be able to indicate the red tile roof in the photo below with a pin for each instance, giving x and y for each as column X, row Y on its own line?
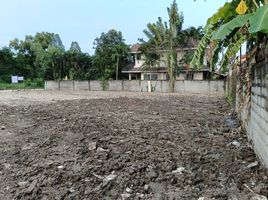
column 134, row 48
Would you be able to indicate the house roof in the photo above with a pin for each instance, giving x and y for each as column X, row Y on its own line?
column 134, row 48
column 202, row 69
column 130, row 69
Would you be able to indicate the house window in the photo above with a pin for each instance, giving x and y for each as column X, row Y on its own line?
column 153, row 76
column 138, row 56
column 146, row 77
column 190, row 76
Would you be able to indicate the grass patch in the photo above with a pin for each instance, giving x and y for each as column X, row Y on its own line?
column 20, row 86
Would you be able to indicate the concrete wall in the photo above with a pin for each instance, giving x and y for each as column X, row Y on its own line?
column 115, row 85
column 132, row 86
column 95, row 86
column 81, row 85
column 52, row 85
column 197, row 87
column 144, row 86
column 255, row 119
column 66, row 85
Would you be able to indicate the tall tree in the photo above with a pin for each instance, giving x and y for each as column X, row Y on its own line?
column 57, row 42
column 110, row 54
column 75, row 47
column 33, row 50
column 168, row 37
column 8, row 65
column 55, row 58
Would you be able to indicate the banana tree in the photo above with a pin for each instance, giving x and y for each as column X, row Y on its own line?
column 163, row 40
column 230, row 27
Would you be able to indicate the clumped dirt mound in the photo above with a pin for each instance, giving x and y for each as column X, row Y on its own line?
column 126, row 148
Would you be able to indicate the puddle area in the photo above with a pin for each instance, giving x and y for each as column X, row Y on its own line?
column 231, row 122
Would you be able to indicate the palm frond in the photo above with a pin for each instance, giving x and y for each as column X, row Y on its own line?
column 233, row 48
column 201, row 49
column 215, row 55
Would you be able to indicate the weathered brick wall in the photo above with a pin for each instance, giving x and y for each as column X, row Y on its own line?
column 257, row 126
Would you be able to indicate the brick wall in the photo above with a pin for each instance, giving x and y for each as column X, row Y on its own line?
column 256, row 121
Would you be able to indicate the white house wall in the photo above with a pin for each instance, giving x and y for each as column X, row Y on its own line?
column 163, row 60
column 198, row 76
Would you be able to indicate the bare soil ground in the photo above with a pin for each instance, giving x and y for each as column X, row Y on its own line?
column 94, row 145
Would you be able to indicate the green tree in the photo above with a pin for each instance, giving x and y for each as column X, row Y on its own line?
column 32, row 52
column 110, row 54
column 227, row 30
column 75, row 47
column 25, row 54
column 8, row 65
column 54, row 60
column 163, row 36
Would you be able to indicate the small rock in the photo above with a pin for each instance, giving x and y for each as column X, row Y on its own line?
column 7, row 166
column 6, row 188
column 139, row 195
column 258, row 188
column 49, row 162
column 146, row 187
column 125, row 196
column 27, row 147
column 88, row 190
column 128, row 190
column 203, row 198
column 151, row 174
column 31, row 187
column 3, row 127
column 60, row 167
column 258, row 197
column 71, row 190
column 253, row 164
column 110, row 177
column 99, row 150
column 23, row 183
column 178, row 170
column 234, row 143
column 92, row 146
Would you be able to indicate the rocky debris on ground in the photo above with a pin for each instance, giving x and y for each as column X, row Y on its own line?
column 253, row 164
column 151, row 147
column 92, row 146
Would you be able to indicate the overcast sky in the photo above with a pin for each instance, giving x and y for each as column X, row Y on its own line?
column 84, row 20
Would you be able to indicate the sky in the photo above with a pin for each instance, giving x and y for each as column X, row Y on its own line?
column 84, row 20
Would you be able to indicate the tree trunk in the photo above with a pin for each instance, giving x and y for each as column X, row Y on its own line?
column 54, row 70
column 117, row 67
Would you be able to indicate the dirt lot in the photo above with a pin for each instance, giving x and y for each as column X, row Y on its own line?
column 109, row 146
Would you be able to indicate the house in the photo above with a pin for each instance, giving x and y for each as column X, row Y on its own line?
column 135, row 69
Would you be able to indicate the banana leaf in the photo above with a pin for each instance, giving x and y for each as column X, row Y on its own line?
column 227, row 28
column 259, row 21
column 222, row 13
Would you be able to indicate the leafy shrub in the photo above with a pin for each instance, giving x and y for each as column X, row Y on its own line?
column 5, row 79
